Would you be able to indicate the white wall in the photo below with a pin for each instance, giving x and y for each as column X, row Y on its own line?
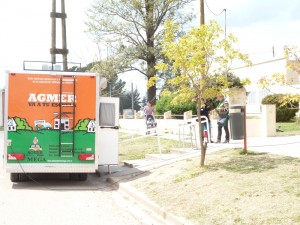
column 260, row 125
column 259, row 70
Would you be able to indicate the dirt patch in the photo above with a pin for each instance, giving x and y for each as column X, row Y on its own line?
column 232, row 189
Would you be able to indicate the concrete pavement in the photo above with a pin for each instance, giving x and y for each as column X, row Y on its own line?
column 280, row 145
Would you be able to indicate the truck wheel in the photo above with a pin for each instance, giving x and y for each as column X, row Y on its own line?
column 14, row 177
column 73, row 176
column 82, row 176
column 23, row 177
column 78, row 176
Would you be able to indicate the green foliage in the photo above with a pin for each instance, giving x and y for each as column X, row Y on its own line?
column 284, row 111
column 82, row 124
column 164, row 104
column 197, row 57
column 134, row 31
column 192, row 57
column 22, row 124
column 233, row 81
column 126, row 100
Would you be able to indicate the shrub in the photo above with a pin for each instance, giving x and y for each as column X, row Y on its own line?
column 164, row 104
column 284, row 113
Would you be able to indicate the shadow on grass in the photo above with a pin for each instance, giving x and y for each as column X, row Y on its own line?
column 251, row 163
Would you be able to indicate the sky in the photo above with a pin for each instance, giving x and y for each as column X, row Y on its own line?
column 26, row 30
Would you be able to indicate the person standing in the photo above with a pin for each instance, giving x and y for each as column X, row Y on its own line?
column 149, row 111
column 205, row 109
column 223, row 117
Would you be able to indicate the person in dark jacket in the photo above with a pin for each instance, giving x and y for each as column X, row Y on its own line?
column 223, row 117
column 205, row 109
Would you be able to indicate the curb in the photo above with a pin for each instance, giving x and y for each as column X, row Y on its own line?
column 142, row 199
column 161, row 213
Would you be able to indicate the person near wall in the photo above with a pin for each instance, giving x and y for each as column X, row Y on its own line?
column 223, row 117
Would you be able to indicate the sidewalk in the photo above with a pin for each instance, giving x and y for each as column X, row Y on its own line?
column 280, row 145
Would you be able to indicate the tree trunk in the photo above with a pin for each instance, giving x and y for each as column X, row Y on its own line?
column 151, row 59
column 151, row 72
column 203, row 144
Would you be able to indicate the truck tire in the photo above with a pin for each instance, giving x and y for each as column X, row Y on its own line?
column 73, row 176
column 78, row 176
column 19, row 177
column 23, row 177
column 82, row 176
column 14, row 177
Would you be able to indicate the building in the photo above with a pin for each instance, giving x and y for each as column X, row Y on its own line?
column 267, row 68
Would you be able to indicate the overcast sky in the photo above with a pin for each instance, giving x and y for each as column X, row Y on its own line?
column 26, row 28
column 259, row 25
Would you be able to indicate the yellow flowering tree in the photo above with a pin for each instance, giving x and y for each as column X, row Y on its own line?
column 196, row 58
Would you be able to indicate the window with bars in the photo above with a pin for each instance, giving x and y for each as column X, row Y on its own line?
column 107, row 114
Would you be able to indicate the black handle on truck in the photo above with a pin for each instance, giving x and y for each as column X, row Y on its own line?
column 111, row 127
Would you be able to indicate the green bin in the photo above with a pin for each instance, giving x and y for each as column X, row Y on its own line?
column 236, row 115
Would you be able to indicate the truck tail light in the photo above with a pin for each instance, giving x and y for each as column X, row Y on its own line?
column 16, row 156
column 86, row 157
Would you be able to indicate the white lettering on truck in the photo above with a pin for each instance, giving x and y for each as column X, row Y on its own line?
column 56, row 98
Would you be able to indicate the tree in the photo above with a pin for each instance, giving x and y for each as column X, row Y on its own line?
column 196, row 58
column 164, row 104
column 134, row 29
column 126, row 100
column 293, row 56
column 284, row 112
column 107, row 69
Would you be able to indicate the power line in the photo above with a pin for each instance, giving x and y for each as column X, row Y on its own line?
column 216, row 14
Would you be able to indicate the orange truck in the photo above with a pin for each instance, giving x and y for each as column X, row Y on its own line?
column 57, row 122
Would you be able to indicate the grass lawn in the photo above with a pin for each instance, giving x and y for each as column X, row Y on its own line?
column 232, row 189
column 140, row 146
column 288, row 128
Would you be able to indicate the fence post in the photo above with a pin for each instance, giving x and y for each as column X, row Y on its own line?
column 188, row 115
column 167, row 115
column 268, row 120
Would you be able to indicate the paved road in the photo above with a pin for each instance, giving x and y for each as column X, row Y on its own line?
column 56, row 200
column 63, row 202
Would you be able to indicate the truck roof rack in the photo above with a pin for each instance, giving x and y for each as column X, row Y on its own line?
column 49, row 66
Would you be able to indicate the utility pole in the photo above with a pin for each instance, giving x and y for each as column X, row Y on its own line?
column 132, row 102
column 202, row 20
column 63, row 51
column 199, row 101
column 53, row 33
